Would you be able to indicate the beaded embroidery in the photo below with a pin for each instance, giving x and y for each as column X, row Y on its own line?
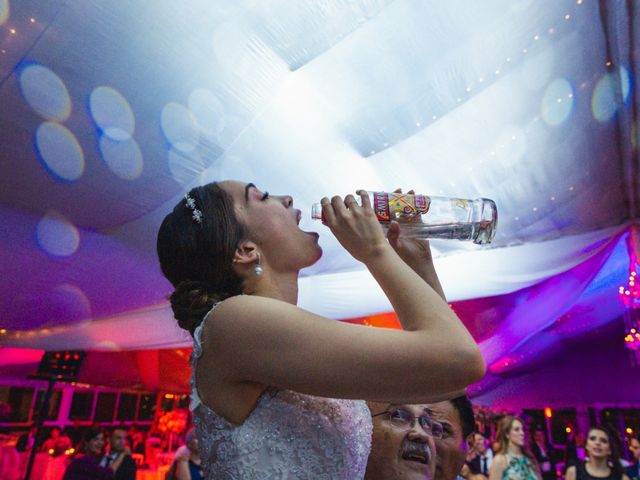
column 288, row 435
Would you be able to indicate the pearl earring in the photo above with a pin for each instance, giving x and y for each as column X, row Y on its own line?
column 258, row 268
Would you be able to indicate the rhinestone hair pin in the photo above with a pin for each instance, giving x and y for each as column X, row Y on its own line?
column 196, row 214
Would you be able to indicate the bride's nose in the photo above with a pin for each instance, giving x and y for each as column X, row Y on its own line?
column 287, row 201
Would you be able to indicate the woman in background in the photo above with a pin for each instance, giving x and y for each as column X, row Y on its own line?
column 513, row 461
column 603, row 458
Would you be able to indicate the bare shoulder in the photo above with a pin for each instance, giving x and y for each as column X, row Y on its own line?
column 240, row 324
column 246, row 306
column 238, row 317
column 501, row 460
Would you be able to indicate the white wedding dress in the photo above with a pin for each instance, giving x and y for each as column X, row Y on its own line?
column 287, row 436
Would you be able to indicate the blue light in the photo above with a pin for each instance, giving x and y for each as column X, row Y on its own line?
column 60, row 151
column 45, row 92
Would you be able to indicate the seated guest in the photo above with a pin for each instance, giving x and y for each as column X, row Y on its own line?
column 633, row 470
column 118, row 446
column 458, row 422
column 402, row 444
column 86, row 465
column 603, row 458
column 480, row 461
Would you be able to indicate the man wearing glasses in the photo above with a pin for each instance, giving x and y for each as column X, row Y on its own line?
column 419, row 441
column 402, row 445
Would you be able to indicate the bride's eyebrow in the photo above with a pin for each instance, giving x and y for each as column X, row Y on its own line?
column 246, row 191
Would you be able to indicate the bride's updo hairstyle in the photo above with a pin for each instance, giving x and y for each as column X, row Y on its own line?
column 196, row 245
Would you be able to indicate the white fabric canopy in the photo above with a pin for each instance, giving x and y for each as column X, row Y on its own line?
column 111, row 112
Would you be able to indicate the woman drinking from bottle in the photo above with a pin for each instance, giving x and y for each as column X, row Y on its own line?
column 276, row 390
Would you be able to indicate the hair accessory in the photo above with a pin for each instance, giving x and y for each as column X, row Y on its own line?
column 258, row 268
column 196, row 214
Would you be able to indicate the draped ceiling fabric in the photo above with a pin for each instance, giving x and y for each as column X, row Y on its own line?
column 111, row 111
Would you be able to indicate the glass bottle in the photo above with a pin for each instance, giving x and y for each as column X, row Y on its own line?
column 423, row 216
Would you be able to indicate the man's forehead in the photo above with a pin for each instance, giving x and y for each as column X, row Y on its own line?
column 444, row 410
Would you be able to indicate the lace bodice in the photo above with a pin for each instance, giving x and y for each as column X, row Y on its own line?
column 287, row 436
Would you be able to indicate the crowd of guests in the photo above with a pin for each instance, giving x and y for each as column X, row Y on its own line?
column 97, row 454
column 439, row 441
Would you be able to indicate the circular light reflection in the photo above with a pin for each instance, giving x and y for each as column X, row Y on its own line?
column 207, row 110
column 123, row 158
column 45, row 92
column 112, row 113
column 4, row 11
column 179, row 127
column 605, row 101
column 60, row 151
column 184, row 167
column 56, row 235
column 557, row 102
column 70, row 303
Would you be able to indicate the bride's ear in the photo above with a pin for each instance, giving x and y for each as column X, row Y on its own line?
column 246, row 254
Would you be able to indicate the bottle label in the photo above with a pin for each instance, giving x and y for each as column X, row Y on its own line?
column 396, row 206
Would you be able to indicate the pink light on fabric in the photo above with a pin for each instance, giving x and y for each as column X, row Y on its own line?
column 629, row 295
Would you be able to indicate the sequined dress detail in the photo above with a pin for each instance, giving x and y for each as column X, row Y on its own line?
column 287, row 436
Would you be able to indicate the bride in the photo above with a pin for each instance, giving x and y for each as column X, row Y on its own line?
column 277, row 391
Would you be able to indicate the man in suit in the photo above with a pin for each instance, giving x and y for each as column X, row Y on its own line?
column 480, row 463
column 118, row 444
column 633, row 470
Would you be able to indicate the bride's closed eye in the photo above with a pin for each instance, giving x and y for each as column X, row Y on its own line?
column 265, row 196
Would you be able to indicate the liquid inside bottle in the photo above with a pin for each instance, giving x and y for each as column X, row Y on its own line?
column 423, row 216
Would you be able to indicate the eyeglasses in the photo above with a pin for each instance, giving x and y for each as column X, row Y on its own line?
column 403, row 419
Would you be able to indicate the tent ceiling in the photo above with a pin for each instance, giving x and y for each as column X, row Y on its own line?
column 110, row 112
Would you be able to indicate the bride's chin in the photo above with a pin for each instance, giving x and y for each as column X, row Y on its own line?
column 317, row 256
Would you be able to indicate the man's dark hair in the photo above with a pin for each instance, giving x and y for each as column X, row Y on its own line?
column 463, row 405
